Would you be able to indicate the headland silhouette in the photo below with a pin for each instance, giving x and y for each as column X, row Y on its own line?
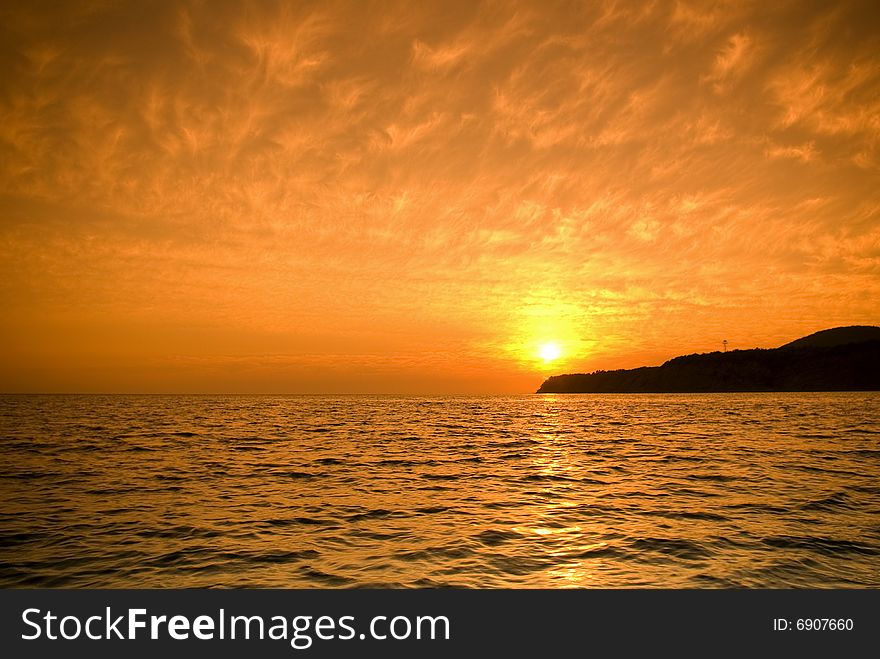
column 837, row 359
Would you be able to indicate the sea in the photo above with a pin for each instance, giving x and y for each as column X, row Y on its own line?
column 770, row 490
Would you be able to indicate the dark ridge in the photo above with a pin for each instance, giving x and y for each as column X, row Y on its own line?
column 837, row 337
column 840, row 359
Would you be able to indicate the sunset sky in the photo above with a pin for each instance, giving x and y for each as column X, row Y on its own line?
column 420, row 197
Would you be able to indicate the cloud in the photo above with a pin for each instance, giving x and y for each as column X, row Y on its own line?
column 287, row 175
column 732, row 62
column 804, row 153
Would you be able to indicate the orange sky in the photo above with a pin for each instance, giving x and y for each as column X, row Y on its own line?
column 413, row 197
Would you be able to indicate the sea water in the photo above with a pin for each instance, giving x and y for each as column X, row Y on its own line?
column 673, row 491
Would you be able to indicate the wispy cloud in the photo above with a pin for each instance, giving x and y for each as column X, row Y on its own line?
column 732, row 62
column 192, row 182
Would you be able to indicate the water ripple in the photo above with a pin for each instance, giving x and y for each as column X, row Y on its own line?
column 691, row 491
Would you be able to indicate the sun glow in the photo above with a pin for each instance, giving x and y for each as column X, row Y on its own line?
column 549, row 351
column 500, row 193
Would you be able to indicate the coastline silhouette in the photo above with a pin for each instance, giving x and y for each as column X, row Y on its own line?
column 837, row 359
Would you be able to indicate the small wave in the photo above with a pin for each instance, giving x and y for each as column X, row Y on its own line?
column 704, row 580
column 693, row 492
column 518, row 565
column 179, row 557
column 683, row 458
column 718, row 478
column 820, row 470
column 493, row 537
column 178, row 532
column 758, row 508
column 14, row 539
column 426, row 582
column 865, row 453
column 297, row 521
column 329, row 461
column 40, row 580
column 374, row 535
column 495, row 505
column 109, row 491
column 281, row 556
column 699, row 514
column 378, row 513
column 677, row 547
column 402, row 463
column 296, row 475
column 820, row 545
column 593, row 481
column 433, row 553
column 833, row 502
column 30, row 475
column 430, row 510
column 326, row 578
column 549, row 478
column 600, row 551
column 433, row 488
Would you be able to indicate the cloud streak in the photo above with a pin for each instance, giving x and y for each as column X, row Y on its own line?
column 462, row 180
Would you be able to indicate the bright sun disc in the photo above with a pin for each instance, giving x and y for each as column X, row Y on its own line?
column 549, row 352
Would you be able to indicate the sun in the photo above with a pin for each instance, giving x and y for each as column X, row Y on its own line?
column 549, row 351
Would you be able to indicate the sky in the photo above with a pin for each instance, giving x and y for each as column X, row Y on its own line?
column 430, row 198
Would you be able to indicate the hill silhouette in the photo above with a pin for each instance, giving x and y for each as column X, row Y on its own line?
column 839, row 359
column 837, row 336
